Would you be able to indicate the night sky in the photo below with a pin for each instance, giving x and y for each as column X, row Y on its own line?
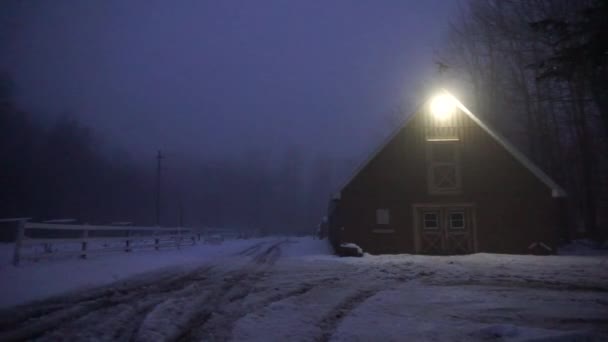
column 208, row 78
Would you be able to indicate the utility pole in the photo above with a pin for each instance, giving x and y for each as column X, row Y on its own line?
column 159, row 158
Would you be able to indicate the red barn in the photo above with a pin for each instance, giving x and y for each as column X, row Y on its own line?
column 445, row 183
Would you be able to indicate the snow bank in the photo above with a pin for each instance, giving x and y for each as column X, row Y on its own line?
column 583, row 247
column 353, row 246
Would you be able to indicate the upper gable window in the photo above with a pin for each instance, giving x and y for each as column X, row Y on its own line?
column 443, row 152
column 443, row 167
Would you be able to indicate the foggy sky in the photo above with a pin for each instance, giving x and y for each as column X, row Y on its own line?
column 223, row 77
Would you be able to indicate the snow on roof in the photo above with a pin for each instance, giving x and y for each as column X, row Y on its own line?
column 556, row 190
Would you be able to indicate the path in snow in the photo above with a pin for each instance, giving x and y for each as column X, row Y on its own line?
column 172, row 306
column 264, row 293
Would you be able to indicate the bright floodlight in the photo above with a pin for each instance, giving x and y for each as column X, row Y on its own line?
column 442, row 106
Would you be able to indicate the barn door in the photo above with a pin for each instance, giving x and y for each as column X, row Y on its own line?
column 445, row 230
column 431, row 231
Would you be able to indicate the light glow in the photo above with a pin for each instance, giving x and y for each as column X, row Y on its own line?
column 442, row 106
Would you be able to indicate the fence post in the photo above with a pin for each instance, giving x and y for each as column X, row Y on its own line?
column 128, row 242
column 83, row 249
column 179, row 238
column 156, row 242
column 18, row 242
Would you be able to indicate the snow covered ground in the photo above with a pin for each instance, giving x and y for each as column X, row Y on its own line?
column 38, row 280
column 295, row 290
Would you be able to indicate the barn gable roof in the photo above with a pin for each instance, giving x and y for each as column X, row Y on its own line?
column 556, row 190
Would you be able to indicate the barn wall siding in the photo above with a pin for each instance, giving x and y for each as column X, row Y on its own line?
column 513, row 207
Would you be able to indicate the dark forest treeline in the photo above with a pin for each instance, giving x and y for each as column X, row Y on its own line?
column 61, row 170
column 539, row 71
column 58, row 171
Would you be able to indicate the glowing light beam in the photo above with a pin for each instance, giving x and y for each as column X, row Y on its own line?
column 442, row 106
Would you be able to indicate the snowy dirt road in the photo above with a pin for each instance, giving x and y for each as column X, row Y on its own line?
column 161, row 307
column 262, row 293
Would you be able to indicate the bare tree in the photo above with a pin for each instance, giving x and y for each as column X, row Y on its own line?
column 516, row 58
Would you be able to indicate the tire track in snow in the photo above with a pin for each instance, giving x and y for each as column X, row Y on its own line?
column 270, row 255
column 66, row 319
column 125, row 306
column 215, row 320
column 330, row 322
column 252, row 250
column 220, row 325
column 13, row 317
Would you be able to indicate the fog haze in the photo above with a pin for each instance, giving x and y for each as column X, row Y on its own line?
column 215, row 78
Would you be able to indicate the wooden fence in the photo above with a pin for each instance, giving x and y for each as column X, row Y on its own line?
column 95, row 239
